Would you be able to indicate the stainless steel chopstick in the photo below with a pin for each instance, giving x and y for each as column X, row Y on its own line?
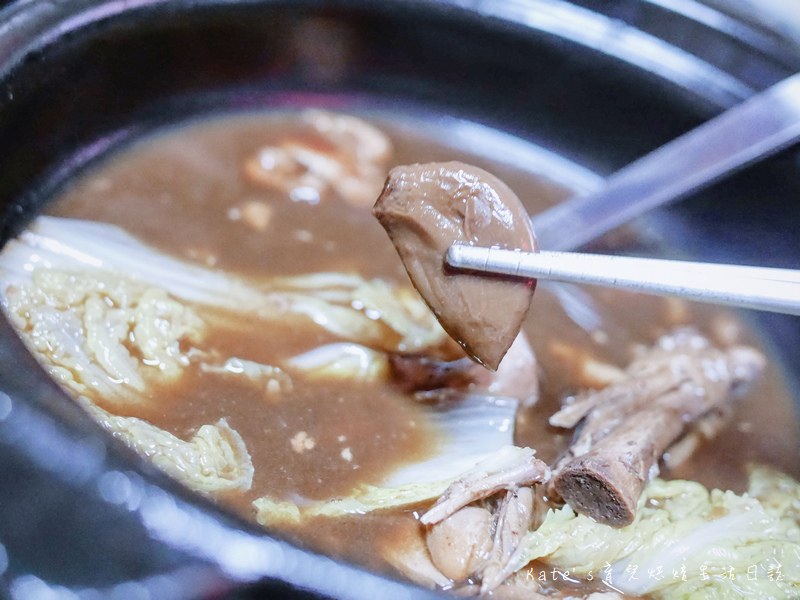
column 764, row 124
column 775, row 290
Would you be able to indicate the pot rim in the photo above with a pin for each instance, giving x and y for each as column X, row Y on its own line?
column 173, row 516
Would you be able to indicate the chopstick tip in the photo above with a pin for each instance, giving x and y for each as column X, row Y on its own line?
column 455, row 255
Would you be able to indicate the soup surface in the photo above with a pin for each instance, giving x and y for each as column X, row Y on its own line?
column 194, row 193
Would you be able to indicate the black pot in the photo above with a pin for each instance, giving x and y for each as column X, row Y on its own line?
column 601, row 82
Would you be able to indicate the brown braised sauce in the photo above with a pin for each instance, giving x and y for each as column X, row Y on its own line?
column 176, row 192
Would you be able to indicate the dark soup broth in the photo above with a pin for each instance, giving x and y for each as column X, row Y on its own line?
column 266, row 363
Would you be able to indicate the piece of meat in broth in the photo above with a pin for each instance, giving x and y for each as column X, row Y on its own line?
column 461, row 544
column 625, row 429
column 517, row 376
column 425, row 209
column 509, row 468
column 345, row 155
column 476, row 526
column 514, row 518
column 407, row 552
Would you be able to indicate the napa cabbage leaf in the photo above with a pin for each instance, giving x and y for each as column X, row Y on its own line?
column 685, row 543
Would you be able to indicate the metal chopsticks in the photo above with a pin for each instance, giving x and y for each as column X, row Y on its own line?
column 764, row 124
column 775, row 290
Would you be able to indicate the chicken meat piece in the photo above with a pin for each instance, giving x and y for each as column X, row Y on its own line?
column 514, row 518
column 461, row 544
column 508, row 469
column 346, row 155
